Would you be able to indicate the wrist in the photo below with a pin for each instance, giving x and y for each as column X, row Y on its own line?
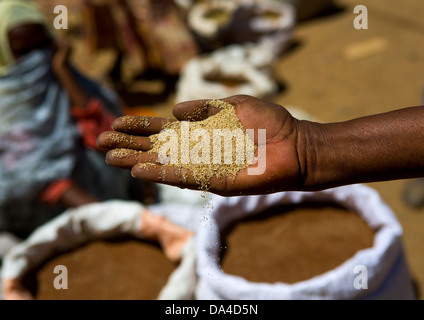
column 61, row 69
column 331, row 155
column 374, row 148
column 75, row 197
column 307, row 136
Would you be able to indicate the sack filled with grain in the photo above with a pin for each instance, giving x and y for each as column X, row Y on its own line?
column 103, row 253
column 352, row 251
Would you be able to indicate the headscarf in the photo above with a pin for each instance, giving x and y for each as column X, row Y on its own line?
column 12, row 14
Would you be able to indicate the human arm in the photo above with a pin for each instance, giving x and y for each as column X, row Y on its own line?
column 300, row 155
column 60, row 64
column 89, row 111
column 380, row 147
column 75, row 196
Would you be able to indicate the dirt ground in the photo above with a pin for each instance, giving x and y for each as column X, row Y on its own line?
column 335, row 72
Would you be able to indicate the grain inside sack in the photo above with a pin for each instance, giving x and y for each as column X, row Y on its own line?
column 108, row 269
column 303, row 241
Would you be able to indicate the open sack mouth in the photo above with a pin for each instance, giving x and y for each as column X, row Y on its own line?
column 289, row 260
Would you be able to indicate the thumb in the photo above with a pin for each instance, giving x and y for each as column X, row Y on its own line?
column 195, row 110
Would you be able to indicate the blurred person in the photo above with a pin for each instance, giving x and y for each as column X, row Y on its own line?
column 50, row 116
column 300, row 155
column 413, row 191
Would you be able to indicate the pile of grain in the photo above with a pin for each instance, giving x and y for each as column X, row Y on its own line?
column 293, row 243
column 227, row 149
column 122, row 269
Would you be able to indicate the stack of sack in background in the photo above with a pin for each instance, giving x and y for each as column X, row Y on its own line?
column 241, row 41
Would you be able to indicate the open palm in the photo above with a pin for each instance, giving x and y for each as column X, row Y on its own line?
column 280, row 164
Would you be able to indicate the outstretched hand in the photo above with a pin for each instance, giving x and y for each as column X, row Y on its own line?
column 129, row 143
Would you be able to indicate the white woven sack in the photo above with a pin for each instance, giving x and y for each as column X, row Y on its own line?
column 91, row 222
column 193, row 85
column 199, row 17
column 387, row 271
column 275, row 32
column 246, row 21
column 260, row 55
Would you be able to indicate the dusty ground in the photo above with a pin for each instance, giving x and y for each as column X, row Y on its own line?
column 335, row 72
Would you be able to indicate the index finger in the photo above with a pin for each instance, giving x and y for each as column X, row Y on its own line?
column 140, row 125
column 197, row 110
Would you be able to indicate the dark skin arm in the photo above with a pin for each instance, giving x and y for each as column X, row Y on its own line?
column 379, row 147
column 301, row 155
column 76, row 196
column 60, row 64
